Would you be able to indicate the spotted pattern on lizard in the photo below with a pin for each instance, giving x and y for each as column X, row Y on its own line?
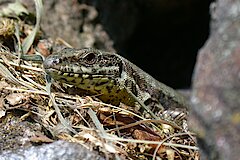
column 112, row 77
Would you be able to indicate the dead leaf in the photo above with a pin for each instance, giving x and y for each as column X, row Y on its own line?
column 15, row 98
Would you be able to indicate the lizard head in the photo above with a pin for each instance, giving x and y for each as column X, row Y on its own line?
column 84, row 68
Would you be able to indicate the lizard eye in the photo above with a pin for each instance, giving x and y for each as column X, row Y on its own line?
column 90, row 58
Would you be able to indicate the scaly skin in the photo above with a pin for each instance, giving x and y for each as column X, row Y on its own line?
column 112, row 76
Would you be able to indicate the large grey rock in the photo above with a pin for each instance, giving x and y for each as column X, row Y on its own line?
column 54, row 151
column 216, row 84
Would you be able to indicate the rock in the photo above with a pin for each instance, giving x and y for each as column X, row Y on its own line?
column 216, row 85
column 56, row 150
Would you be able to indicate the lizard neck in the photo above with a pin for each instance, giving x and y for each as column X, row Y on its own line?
column 147, row 89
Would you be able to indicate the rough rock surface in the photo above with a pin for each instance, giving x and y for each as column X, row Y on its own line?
column 216, row 85
column 55, row 150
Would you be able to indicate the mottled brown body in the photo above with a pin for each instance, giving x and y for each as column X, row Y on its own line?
column 111, row 75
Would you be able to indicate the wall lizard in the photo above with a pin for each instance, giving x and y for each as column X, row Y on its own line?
column 111, row 76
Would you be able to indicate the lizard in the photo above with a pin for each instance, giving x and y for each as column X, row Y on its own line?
column 114, row 79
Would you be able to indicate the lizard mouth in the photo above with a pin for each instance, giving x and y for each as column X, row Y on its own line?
column 56, row 74
column 84, row 81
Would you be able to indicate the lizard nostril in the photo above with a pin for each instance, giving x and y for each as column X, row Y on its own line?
column 51, row 61
column 55, row 61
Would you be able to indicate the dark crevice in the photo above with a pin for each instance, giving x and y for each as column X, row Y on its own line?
column 161, row 37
